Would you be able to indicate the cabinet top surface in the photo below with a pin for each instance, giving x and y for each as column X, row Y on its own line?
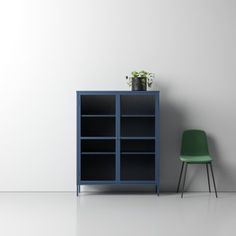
column 116, row 91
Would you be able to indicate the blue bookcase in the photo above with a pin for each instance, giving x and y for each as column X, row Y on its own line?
column 118, row 138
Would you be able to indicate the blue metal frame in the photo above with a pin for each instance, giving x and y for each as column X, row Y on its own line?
column 118, row 138
column 78, row 144
column 157, row 142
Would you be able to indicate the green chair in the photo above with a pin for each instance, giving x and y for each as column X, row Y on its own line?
column 194, row 150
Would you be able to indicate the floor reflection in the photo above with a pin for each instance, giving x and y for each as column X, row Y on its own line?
column 63, row 214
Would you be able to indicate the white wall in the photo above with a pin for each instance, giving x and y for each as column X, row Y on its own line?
column 51, row 48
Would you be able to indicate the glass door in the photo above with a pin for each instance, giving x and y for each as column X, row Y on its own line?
column 137, row 135
column 98, row 138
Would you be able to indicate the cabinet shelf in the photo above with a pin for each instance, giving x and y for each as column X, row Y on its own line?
column 137, row 115
column 138, row 153
column 137, row 138
column 98, row 153
column 137, row 181
column 96, row 115
column 122, row 182
column 97, row 137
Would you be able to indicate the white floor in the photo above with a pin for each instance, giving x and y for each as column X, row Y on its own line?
column 62, row 214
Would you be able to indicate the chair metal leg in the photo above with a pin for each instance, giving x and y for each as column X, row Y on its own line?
column 213, row 179
column 180, row 177
column 185, row 173
column 208, row 179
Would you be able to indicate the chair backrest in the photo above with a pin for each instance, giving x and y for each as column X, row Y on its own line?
column 194, row 142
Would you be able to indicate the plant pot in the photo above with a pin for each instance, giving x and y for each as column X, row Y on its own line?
column 139, row 84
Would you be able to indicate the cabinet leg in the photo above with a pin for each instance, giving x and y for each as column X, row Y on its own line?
column 78, row 190
column 157, row 190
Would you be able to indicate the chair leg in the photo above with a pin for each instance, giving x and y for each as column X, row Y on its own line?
column 180, row 177
column 208, row 179
column 185, row 173
column 213, row 179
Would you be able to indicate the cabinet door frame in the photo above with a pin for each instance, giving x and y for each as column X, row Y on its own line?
column 155, row 138
column 117, row 112
column 80, row 181
column 157, row 142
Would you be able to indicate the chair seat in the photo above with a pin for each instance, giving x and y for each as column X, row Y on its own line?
column 196, row 159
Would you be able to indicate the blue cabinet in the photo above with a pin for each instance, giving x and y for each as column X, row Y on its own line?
column 118, row 138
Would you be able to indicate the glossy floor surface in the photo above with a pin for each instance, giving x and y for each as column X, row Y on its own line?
column 62, row 214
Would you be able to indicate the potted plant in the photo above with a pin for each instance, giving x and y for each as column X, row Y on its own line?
column 140, row 80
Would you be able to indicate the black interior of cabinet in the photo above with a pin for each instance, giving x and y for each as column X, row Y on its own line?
column 97, row 104
column 98, row 167
column 137, row 145
column 137, row 105
column 97, row 145
column 137, row 167
column 98, row 126
column 138, row 126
